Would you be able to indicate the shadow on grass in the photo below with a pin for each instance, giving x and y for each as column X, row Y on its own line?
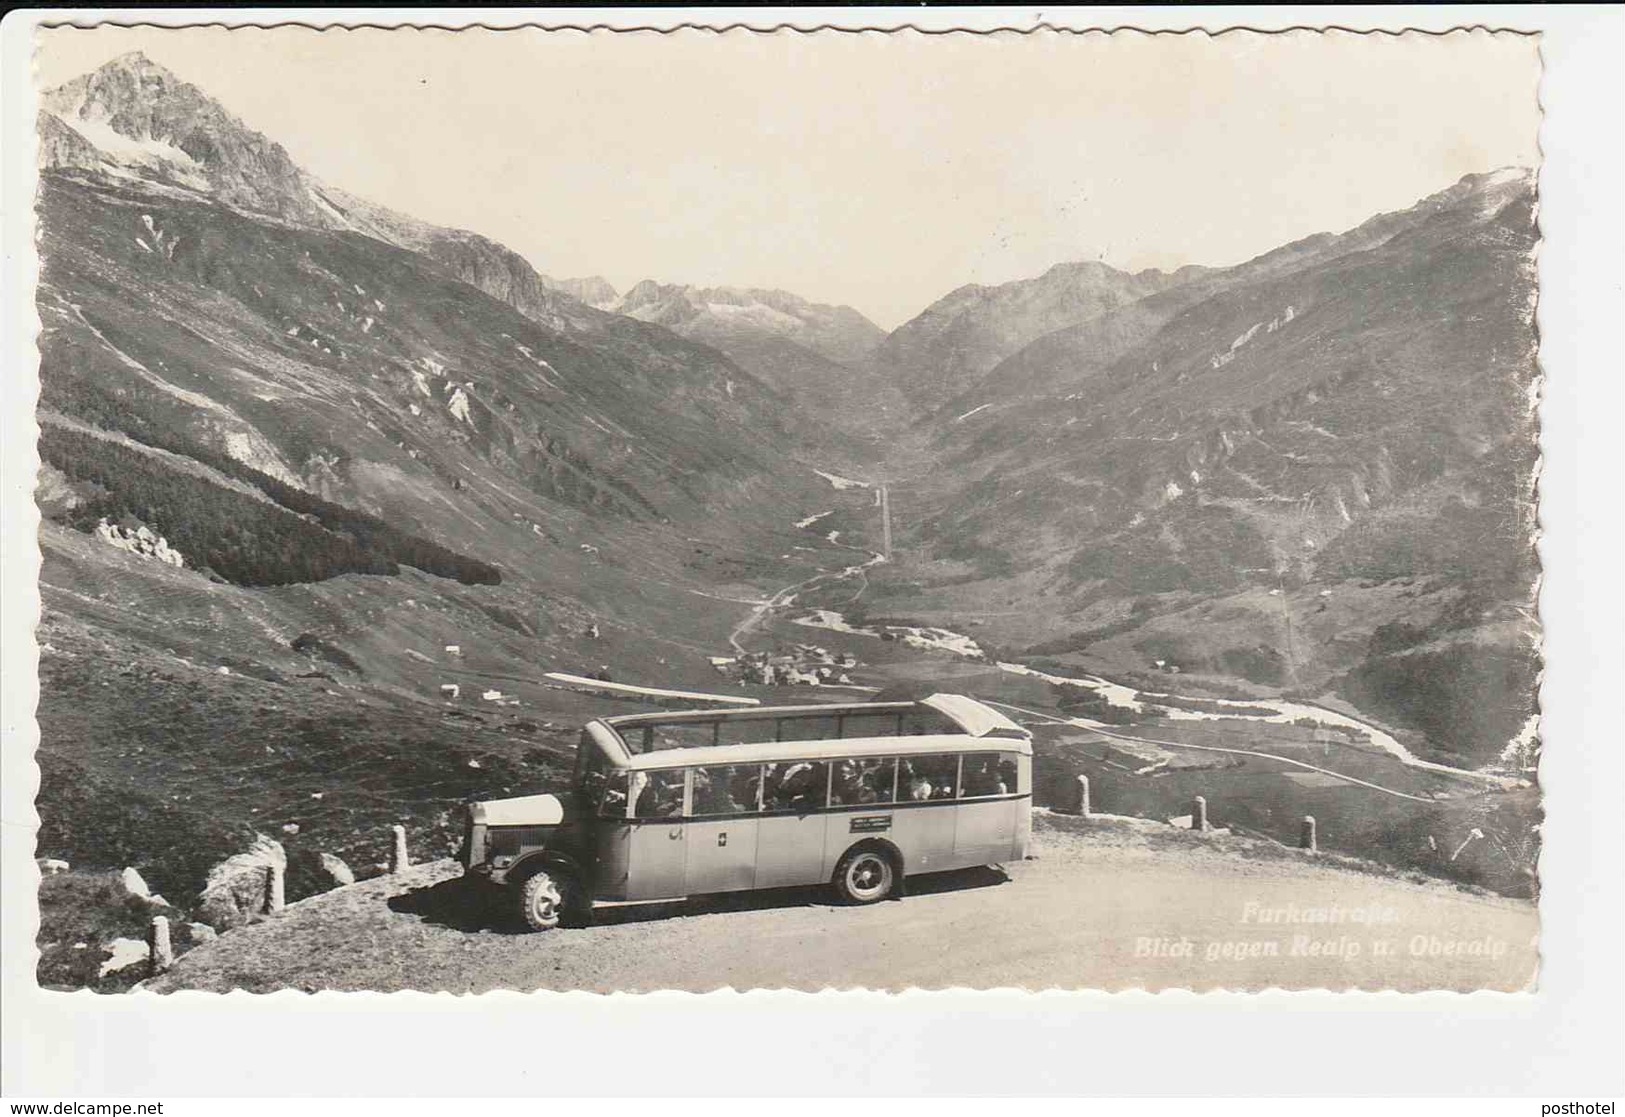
column 455, row 905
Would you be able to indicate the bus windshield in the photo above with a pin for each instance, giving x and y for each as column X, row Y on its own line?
column 600, row 788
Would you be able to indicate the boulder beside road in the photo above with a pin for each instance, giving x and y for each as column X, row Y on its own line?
column 234, row 894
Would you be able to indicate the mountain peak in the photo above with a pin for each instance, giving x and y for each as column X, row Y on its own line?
column 135, row 62
column 145, row 122
column 728, row 317
column 966, row 333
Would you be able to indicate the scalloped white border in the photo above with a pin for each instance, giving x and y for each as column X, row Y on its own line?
column 1553, row 1041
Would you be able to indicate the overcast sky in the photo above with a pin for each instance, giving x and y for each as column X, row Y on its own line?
column 879, row 171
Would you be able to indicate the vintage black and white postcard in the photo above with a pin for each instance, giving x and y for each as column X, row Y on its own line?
column 616, row 511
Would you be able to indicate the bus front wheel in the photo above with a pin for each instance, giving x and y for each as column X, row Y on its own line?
column 865, row 875
column 548, row 899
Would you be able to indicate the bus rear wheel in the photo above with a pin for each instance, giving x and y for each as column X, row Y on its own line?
column 865, row 875
column 550, row 898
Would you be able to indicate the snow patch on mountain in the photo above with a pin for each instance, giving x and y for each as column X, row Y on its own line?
column 145, row 153
column 458, row 406
column 841, row 483
column 1246, row 337
column 539, row 363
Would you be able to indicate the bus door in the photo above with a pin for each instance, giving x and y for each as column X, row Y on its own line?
column 925, row 820
column 601, row 800
column 790, row 831
column 985, row 831
column 721, row 841
column 655, row 858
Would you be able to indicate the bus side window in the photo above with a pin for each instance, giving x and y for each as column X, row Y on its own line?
column 658, row 794
column 871, row 725
column 613, row 804
column 806, row 727
column 725, row 789
column 863, row 781
column 928, row 777
column 922, row 722
column 795, row 785
column 986, row 774
column 680, row 736
column 1009, row 773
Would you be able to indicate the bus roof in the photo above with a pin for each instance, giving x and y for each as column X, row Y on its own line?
column 982, row 729
column 974, row 718
column 767, row 752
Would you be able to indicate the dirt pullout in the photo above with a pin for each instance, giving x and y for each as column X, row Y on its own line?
column 1107, row 903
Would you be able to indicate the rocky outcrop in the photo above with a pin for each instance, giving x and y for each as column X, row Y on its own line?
column 312, row 872
column 122, row 954
column 134, row 884
column 337, row 871
column 235, row 892
column 593, row 290
column 141, row 541
column 61, row 146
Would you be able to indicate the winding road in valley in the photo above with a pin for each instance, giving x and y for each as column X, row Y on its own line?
column 787, row 596
column 1096, row 727
column 1130, row 697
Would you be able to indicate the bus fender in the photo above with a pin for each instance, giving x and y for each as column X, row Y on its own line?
column 900, row 888
column 533, row 863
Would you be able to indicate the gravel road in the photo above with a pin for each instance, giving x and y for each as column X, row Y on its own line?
column 1106, row 904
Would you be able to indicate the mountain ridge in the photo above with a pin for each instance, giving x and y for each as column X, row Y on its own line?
column 719, row 315
column 963, row 335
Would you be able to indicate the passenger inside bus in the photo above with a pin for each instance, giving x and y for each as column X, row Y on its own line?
column 846, row 785
column 859, row 781
column 660, row 796
column 929, row 777
column 798, row 786
column 880, row 780
column 982, row 776
column 590, row 790
column 614, row 801
column 714, row 790
column 747, row 787
column 915, row 785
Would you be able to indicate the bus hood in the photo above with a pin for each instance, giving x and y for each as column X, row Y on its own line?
column 527, row 810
